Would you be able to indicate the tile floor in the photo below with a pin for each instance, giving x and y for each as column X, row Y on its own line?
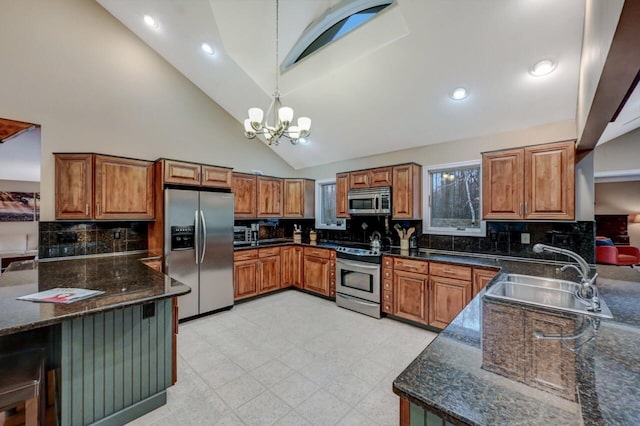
column 288, row 359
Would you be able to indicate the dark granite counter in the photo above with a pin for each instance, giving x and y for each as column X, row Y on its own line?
column 124, row 280
column 487, row 367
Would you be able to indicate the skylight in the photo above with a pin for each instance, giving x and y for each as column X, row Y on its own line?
column 334, row 24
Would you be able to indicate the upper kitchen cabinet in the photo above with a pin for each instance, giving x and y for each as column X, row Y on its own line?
column 123, row 188
column 371, row 178
column 342, row 192
column 243, row 187
column 299, row 198
column 74, row 186
column 90, row 186
column 182, row 173
column 535, row 182
column 406, row 199
column 269, row 197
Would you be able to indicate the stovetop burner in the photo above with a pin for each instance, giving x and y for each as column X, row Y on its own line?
column 359, row 254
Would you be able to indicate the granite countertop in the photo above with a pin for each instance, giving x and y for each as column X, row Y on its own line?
column 487, row 368
column 124, row 280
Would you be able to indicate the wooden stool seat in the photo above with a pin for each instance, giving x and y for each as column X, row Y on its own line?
column 21, row 379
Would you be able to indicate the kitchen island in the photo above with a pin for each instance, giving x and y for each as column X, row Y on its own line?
column 488, row 367
column 113, row 351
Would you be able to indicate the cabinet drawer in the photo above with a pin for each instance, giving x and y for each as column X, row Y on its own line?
column 245, row 255
column 417, row 266
column 387, row 262
column 271, row 251
column 451, row 271
column 387, row 285
column 387, row 297
column 387, row 307
column 318, row 252
column 387, row 273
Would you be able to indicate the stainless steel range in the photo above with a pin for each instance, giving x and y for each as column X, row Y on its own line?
column 358, row 280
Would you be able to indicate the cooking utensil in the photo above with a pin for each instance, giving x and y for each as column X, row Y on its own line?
column 410, row 231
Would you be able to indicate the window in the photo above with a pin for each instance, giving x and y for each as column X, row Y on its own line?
column 332, row 25
column 326, row 206
column 453, row 200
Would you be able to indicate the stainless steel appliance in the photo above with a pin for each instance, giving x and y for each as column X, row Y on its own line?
column 241, row 235
column 198, row 249
column 373, row 201
column 358, row 280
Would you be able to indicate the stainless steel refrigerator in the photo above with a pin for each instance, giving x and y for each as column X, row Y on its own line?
column 198, row 248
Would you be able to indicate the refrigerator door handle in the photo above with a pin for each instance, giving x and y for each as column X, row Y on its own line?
column 196, row 234
column 204, row 236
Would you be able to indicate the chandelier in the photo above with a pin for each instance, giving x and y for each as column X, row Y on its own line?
column 282, row 115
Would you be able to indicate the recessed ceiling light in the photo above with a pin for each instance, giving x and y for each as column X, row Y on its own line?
column 459, row 93
column 305, row 141
column 208, row 49
column 543, row 67
column 150, row 21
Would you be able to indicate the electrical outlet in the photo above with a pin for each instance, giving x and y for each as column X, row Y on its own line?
column 116, row 235
column 525, row 238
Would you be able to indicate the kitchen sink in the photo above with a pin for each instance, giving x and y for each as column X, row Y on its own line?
column 552, row 293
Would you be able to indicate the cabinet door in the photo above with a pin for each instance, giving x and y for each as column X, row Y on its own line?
column 215, row 177
column 269, row 274
column 410, row 296
column 342, row 191
column 406, row 200
column 245, row 278
column 447, row 297
column 316, row 274
column 123, row 188
column 550, row 363
column 244, row 191
column 181, row 173
column 380, row 177
column 299, row 198
column 74, row 186
column 549, row 182
column 502, row 184
column 298, row 267
column 481, row 278
column 269, row 197
column 359, row 179
column 292, row 266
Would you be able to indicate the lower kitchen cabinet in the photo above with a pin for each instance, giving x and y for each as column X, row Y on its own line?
column 482, row 277
column 410, row 294
column 447, row 298
column 387, row 285
column 292, row 266
column 318, row 270
column 269, row 275
column 245, row 274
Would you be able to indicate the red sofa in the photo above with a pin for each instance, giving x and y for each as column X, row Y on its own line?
column 617, row 255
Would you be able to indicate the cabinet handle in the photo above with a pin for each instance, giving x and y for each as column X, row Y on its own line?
column 447, row 271
column 86, row 209
column 97, row 208
column 520, row 209
column 197, row 175
column 526, row 208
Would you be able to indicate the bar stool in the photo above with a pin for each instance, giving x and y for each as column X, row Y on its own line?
column 21, row 381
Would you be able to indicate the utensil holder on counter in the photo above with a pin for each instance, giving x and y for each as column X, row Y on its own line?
column 297, row 237
column 313, row 237
column 404, row 244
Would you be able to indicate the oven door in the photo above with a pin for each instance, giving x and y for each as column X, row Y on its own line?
column 358, row 279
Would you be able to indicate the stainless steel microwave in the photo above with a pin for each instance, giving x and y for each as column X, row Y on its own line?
column 241, row 234
column 373, row 201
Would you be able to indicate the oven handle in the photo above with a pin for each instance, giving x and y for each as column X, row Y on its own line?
column 345, row 296
column 356, row 265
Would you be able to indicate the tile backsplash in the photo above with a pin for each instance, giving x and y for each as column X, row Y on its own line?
column 63, row 239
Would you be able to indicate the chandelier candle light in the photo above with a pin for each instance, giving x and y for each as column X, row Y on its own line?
column 282, row 115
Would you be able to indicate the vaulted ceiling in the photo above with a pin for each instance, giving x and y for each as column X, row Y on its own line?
column 384, row 86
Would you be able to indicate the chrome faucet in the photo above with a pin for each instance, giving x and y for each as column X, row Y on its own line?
column 588, row 284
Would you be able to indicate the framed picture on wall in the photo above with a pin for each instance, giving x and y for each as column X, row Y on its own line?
column 19, row 206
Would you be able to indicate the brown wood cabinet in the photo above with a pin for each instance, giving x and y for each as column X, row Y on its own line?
column 269, row 197
column 535, row 183
column 292, row 266
column 447, row 298
column 482, row 277
column 410, row 294
column 371, row 178
column 387, row 284
column 245, row 274
column 318, row 270
column 183, row 173
column 123, row 188
column 299, row 198
column 90, row 186
column 407, row 192
column 243, row 187
column 74, row 186
column 516, row 352
column 269, row 269
column 342, row 192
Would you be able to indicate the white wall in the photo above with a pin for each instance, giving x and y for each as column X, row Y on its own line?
column 620, row 198
column 20, row 157
column 601, row 20
column 95, row 87
column 18, row 228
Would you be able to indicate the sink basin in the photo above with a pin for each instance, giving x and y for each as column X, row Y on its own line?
column 547, row 292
